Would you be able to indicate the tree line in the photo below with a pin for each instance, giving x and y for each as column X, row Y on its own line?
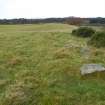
column 68, row 20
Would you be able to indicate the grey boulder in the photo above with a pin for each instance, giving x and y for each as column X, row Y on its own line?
column 91, row 68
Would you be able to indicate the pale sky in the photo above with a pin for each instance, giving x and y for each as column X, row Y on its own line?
column 51, row 8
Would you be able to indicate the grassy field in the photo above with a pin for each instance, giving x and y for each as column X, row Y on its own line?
column 40, row 65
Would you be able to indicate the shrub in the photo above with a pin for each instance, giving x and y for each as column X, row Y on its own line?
column 97, row 40
column 74, row 32
column 83, row 32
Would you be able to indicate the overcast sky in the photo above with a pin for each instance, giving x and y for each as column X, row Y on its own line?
column 51, row 8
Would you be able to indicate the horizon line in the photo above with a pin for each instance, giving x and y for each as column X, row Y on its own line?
column 52, row 17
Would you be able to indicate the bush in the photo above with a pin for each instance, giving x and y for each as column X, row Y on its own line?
column 74, row 32
column 98, row 39
column 83, row 32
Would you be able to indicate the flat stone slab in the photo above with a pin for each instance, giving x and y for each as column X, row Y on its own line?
column 85, row 52
column 91, row 68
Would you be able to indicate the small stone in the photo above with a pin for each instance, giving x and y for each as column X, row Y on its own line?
column 91, row 68
column 85, row 52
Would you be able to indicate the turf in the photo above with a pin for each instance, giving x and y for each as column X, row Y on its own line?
column 40, row 65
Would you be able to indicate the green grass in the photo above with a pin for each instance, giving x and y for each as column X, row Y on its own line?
column 39, row 66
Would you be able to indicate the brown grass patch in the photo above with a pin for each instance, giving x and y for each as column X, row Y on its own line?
column 14, row 61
